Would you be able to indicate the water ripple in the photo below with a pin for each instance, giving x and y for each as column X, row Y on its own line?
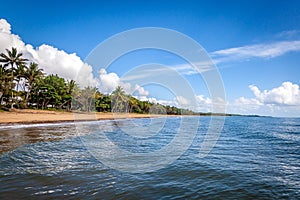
column 255, row 158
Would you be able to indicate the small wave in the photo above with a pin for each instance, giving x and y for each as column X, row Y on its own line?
column 287, row 136
column 19, row 126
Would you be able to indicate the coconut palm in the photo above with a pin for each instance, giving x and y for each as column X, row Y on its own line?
column 20, row 76
column 134, row 105
column 12, row 59
column 32, row 74
column 70, row 87
column 87, row 99
column 4, row 83
column 119, row 100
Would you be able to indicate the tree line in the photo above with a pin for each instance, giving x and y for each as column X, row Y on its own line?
column 24, row 85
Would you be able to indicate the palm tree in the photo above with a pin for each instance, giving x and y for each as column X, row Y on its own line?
column 32, row 74
column 4, row 83
column 134, row 105
column 12, row 59
column 119, row 100
column 87, row 98
column 20, row 74
column 68, row 97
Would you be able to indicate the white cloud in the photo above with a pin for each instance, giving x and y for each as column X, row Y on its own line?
column 69, row 66
column 202, row 100
column 178, row 101
column 8, row 40
column 160, row 101
column 108, row 82
column 243, row 105
column 207, row 104
column 249, row 102
column 4, row 26
column 141, row 91
column 288, row 94
column 50, row 59
column 280, row 101
column 258, row 50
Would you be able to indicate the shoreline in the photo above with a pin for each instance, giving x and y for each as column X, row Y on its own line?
column 28, row 116
column 44, row 116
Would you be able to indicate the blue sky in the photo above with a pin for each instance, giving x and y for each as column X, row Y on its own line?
column 266, row 32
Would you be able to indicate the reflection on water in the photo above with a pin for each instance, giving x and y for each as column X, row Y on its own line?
column 14, row 136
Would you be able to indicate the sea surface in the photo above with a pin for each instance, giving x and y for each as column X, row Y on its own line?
column 254, row 158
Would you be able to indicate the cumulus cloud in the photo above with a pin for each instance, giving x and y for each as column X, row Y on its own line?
column 108, row 82
column 141, row 91
column 287, row 94
column 206, row 104
column 4, row 26
column 269, row 50
column 280, row 101
column 178, row 101
column 50, row 59
column 8, row 40
column 160, row 101
column 203, row 100
column 69, row 66
column 244, row 105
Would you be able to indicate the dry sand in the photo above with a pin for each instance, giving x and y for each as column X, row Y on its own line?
column 43, row 116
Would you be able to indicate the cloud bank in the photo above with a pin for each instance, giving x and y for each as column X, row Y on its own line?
column 50, row 59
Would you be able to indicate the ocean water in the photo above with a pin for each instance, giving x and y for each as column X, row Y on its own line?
column 254, row 158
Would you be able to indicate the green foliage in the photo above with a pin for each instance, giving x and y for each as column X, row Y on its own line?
column 12, row 62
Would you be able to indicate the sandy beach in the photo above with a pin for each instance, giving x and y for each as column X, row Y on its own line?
column 45, row 116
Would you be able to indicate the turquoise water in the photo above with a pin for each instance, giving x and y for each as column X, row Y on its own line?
column 254, row 158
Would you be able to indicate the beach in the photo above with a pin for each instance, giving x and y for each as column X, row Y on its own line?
column 28, row 116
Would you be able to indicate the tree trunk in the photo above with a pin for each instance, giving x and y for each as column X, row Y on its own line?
column 12, row 83
column 12, row 99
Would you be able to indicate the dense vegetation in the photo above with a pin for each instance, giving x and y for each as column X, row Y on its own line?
column 24, row 85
